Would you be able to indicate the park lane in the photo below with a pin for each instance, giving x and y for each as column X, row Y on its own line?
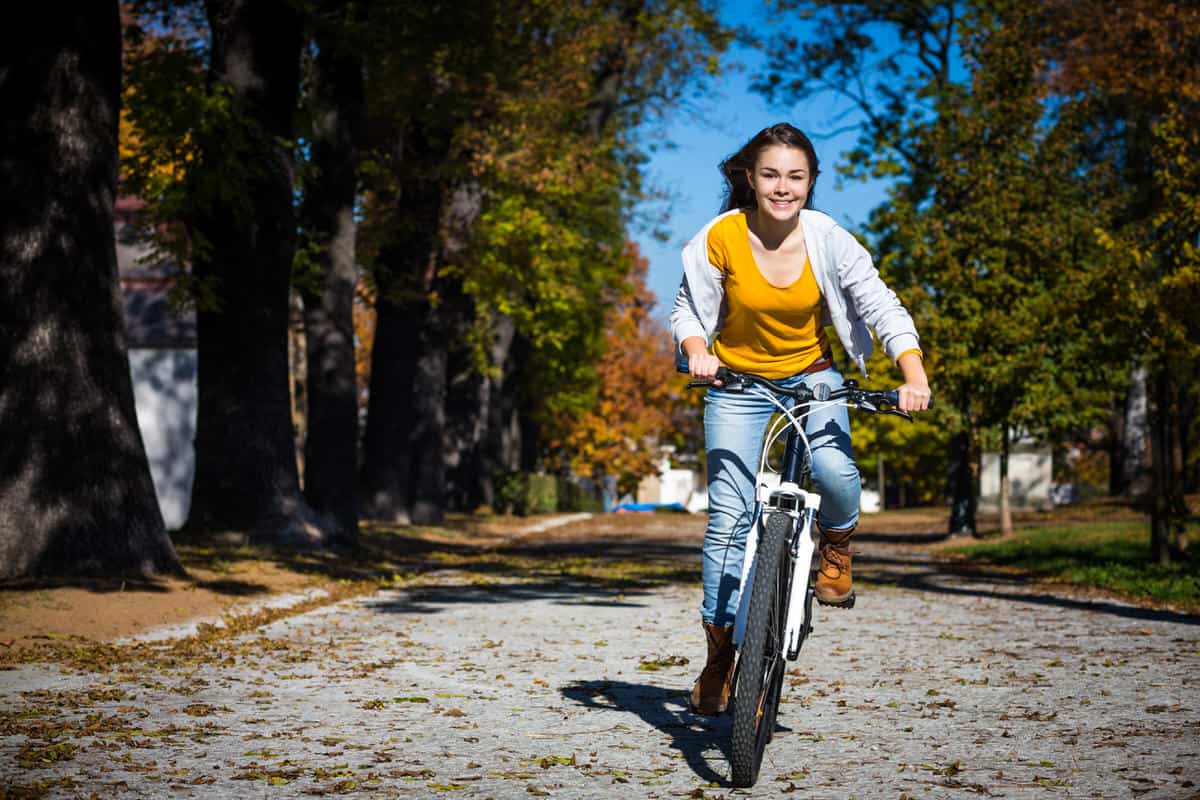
column 512, row 690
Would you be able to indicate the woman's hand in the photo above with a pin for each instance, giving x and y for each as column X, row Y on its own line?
column 914, row 392
column 914, row 397
column 702, row 365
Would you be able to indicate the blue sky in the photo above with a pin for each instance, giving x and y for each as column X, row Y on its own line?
column 716, row 127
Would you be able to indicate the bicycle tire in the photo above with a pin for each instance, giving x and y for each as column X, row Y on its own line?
column 761, row 661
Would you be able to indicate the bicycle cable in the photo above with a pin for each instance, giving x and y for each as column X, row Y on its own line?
column 787, row 418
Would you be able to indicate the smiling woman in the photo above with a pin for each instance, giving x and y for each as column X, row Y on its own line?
column 761, row 281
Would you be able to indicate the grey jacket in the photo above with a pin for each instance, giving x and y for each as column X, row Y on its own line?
column 853, row 295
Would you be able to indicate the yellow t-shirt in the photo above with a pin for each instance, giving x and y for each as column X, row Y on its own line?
column 767, row 330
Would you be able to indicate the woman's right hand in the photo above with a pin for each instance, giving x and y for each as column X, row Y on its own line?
column 702, row 365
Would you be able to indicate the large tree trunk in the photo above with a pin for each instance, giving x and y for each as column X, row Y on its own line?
column 406, row 406
column 75, row 489
column 1130, row 469
column 962, row 485
column 500, row 449
column 468, row 389
column 404, row 465
column 331, row 447
column 1006, row 524
column 422, row 316
column 386, row 449
column 1168, row 507
column 246, row 473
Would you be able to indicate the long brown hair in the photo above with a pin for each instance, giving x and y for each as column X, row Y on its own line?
column 738, row 193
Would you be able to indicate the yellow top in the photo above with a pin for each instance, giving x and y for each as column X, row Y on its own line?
column 768, row 330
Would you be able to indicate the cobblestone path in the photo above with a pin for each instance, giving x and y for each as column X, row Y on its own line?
column 937, row 685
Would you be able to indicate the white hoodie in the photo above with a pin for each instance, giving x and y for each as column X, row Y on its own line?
column 853, row 296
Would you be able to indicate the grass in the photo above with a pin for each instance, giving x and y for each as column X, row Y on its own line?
column 1114, row 556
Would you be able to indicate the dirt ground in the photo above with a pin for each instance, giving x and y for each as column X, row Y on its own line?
column 226, row 575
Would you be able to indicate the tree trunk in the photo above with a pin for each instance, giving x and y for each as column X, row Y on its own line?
column 1006, row 525
column 404, row 468
column 1130, row 465
column 406, row 407
column 386, row 448
column 880, row 473
column 962, row 486
column 246, row 474
column 499, row 449
column 468, row 389
column 426, row 428
column 1168, row 508
column 76, row 495
column 331, row 448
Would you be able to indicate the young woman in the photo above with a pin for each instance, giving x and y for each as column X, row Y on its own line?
column 760, row 284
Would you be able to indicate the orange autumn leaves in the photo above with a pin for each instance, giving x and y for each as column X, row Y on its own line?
column 640, row 396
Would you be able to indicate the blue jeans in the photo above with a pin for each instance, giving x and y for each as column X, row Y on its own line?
column 734, row 426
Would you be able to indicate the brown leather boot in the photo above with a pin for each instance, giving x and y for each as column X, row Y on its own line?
column 710, row 693
column 833, row 575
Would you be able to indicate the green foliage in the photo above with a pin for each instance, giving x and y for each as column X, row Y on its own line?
column 997, row 245
column 524, row 493
column 573, row 497
column 186, row 148
column 914, row 453
column 1107, row 555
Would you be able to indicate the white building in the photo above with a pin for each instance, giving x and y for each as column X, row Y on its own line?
column 1030, row 476
column 162, row 362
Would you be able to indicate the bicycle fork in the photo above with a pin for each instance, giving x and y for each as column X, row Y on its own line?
column 802, row 507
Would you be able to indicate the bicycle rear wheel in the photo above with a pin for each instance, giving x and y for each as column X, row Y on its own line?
column 761, row 661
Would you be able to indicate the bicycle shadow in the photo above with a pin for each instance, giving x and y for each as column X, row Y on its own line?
column 692, row 735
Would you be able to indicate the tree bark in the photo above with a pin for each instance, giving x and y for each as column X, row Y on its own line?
column 76, row 495
column 962, row 486
column 406, row 407
column 1168, row 507
column 1130, row 462
column 468, row 392
column 880, row 470
column 246, row 473
column 331, row 448
column 1006, row 525
column 386, row 449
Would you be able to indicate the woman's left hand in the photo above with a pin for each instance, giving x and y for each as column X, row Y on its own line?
column 914, row 396
column 914, row 392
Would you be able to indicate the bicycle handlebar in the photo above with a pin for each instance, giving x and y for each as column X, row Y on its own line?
column 879, row 401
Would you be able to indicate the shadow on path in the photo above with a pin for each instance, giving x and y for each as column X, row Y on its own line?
column 432, row 599
column 665, row 709
column 920, row 571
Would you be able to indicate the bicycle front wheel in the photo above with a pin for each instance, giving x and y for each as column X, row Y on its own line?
column 761, row 664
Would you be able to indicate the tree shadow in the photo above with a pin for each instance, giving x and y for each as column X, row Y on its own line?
column 923, row 572
column 234, row 588
column 692, row 735
column 430, row 599
column 98, row 585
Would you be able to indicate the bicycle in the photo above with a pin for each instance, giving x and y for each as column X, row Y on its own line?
column 775, row 616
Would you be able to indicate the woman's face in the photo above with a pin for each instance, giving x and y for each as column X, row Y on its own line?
column 781, row 180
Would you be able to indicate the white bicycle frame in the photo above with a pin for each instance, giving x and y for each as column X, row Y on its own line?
column 802, row 506
column 808, row 503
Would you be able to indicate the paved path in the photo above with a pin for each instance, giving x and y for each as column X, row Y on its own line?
column 935, row 686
